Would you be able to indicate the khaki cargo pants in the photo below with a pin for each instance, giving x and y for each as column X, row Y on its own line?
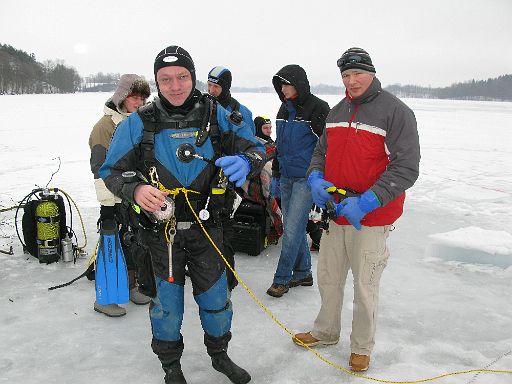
column 364, row 252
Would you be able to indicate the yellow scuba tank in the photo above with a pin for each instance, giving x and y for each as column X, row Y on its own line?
column 48, row 227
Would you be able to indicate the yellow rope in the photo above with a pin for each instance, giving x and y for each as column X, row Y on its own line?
column 319, row 355
column 92, row 259
column 79, row 214
column 176, row 191
column 173, row 192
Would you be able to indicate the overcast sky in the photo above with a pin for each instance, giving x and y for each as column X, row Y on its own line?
column 428, row 42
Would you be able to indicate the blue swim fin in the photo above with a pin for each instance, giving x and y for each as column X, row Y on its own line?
column 111, row 272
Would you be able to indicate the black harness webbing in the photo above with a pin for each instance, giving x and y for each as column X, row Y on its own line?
column 150, row 116
column 234, row 104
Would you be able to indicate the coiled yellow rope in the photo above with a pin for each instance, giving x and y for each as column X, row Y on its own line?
column 319, row 355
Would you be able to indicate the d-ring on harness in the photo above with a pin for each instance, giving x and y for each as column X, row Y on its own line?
column 171, row 224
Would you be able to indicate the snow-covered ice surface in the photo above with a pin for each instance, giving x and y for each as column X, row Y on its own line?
column 473, row 245
column 438, row 313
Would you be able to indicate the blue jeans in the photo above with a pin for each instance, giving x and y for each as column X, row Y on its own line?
column 295, row 259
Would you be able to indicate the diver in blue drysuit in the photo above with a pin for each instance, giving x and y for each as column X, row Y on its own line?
column 159, row 143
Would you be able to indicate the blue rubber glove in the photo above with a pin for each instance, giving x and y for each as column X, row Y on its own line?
column 275, row 187
column 356, row 208
column 318, row 185
column 236, row 168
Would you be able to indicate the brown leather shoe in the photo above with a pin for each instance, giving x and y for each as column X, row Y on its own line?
column 309, row 340
column 277, row 290
column 306, row 282
column 359, row 363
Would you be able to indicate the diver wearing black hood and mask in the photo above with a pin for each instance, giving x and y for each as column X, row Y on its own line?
column 151, row 142
column 219, row 86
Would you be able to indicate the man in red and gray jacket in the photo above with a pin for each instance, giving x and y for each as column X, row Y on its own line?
column 370, row 146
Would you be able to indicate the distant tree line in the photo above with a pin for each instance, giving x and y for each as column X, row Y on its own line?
column 253, row 89
column 321, row 89
column 100, row 82
column 107, row 82
column 498, row 89
column 324, row 89
column 21, row 73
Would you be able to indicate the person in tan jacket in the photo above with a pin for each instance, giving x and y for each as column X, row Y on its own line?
column 131, row 93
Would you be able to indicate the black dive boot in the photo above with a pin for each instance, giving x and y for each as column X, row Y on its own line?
column 174, row 374
column 169, row 353
column 217, row 349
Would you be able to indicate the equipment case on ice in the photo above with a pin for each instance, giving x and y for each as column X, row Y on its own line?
column 251, row 228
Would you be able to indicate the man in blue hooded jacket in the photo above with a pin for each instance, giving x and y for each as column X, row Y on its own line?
column 300, row 122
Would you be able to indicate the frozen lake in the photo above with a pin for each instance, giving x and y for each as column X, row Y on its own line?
column 445, row 296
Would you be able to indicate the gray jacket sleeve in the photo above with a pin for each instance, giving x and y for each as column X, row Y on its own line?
column 402, row 143
column 318, row 158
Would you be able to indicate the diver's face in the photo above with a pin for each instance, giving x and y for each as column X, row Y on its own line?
column 175, row 84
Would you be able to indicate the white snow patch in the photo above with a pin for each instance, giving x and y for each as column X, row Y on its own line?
column 473, row 193
column 473, row 245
